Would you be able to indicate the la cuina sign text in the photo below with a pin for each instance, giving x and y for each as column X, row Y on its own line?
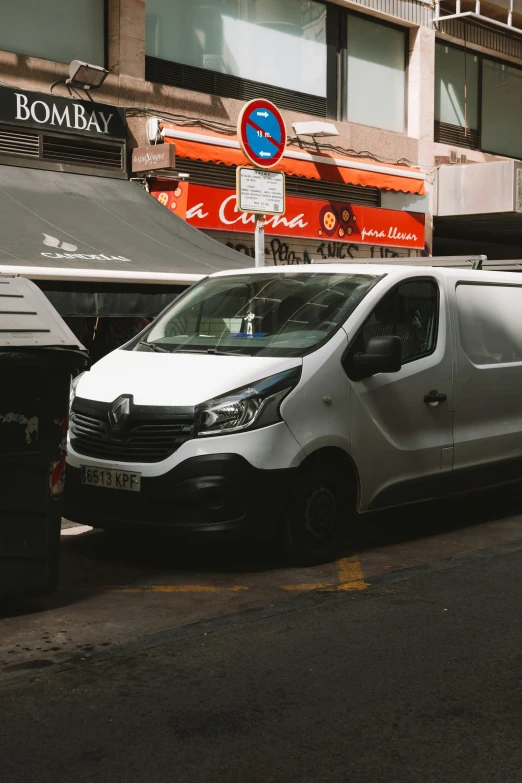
column 38, row 110
column 214, row 209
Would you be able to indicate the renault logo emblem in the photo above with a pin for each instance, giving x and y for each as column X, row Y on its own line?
column 119, row 414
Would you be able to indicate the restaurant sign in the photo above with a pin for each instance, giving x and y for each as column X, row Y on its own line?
column 154, row 157
column 212, row 209
column 48, row 112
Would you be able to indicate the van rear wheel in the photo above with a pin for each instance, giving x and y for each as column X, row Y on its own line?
column 316, row 521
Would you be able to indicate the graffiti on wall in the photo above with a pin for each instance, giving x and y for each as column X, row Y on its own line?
column 278, row 252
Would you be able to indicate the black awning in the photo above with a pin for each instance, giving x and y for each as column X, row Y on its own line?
column 73, row 299
column 49, row 219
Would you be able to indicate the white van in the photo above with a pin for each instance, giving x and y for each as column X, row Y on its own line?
column 284, row 399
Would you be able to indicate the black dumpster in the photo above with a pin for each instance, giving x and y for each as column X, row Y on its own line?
column 38, row 356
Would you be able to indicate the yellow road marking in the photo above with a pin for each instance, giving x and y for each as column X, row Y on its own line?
column 305, row 587
column 176, row 589
column 350, row 574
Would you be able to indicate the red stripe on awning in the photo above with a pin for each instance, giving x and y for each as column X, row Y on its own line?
column 397, row 180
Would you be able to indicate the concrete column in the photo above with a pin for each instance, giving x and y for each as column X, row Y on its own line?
column 421, row 84
column 421, row 107
column 127, row 38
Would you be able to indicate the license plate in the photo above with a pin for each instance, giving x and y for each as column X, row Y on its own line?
column 111, row 479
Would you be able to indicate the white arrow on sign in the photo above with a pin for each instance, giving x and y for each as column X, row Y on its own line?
column 264, row 155
column 262, row 114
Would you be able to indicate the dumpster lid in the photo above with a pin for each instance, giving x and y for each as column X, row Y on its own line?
column 28, row 319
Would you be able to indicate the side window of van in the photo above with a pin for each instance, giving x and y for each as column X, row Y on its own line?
column 410, row 312
column 490, row 322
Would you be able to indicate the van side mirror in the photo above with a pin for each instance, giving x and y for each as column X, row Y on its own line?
column 383, row 354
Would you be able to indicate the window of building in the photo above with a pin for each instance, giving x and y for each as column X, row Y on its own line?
column 376, row 80
column 456, row 87
column 289, row 51
column 490, row 321
column 59, row 30
column 501, row 108
column 478, row 102
column 410, row 312
column 269, row 41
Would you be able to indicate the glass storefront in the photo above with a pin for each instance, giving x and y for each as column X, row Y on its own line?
column 376, row 83
column 288, row 38
column 61, row 30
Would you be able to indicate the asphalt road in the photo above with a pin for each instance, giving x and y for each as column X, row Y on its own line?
column 119, row 590
column 410, row 681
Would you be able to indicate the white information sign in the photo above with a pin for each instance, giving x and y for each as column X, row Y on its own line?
column 260, row 192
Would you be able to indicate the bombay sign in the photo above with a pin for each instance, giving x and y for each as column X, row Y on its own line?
column 261, row 192
column 47, row 112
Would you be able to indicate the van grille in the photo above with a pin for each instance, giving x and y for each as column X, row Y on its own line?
column 143, row 440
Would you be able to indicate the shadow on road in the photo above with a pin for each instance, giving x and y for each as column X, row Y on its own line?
column 151, row 551
column 101, row 573
column 423, row 520
column 96, row 561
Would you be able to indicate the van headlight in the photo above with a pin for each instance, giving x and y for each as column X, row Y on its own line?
column 250, row 407
column 74, row 386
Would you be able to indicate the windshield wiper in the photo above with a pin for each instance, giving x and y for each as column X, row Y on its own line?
column 153, row 347
column 206, row 351
column 185, row 349
column 218, row 352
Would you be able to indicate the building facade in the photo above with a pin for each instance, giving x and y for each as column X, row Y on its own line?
column 420, row 95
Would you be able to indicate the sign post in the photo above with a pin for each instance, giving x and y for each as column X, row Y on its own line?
column 260, row 240
column 260, row 192
column 262, row 135
column 263, row 193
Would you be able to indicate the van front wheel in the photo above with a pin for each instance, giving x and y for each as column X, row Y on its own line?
column 315, row 524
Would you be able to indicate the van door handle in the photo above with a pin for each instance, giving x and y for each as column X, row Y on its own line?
column 433, row 397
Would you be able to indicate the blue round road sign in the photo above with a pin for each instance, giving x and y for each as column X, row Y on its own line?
column 262, row 133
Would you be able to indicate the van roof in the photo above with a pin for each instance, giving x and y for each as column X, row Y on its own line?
column 378, row 269
column 356, row 268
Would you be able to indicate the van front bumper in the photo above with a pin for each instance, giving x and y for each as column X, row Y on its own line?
column 217, row 493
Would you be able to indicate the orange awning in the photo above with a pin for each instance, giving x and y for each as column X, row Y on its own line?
column 197, row 144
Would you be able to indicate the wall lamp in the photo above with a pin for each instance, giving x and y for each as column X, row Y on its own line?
column 85, row 75
column 82, row 76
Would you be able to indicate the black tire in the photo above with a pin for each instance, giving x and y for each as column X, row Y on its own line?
column 317, row 519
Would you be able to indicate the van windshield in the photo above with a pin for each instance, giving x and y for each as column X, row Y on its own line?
column 266, row 314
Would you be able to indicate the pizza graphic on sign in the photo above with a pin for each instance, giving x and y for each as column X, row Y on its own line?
column 171, row 194
column 328, row 220
column 339, row 221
